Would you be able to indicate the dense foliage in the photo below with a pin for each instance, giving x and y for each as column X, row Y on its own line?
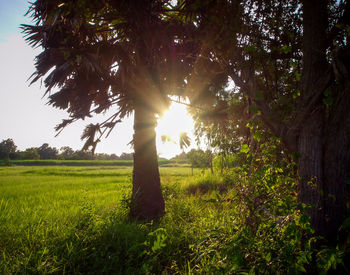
column 287, row 62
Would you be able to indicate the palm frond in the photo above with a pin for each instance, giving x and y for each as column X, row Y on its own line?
column 89, row 134
column 184, row 140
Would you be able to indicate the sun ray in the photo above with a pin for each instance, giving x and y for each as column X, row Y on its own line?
column 171, row 124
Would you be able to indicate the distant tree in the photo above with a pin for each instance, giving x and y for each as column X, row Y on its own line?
column 7, row 149
column 208, row 159
column 82, row 155
column 200, row 159
column 101, row 156
column 114, row 157
column 104, row 156
column 126, row 156
column 29, row 153
column 66, row 152
column 222, row 161
column 181, row 156
column 47, row 152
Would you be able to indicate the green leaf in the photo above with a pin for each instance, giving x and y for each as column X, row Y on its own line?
column 245, row 149
column 257, row 136
column 268, row 257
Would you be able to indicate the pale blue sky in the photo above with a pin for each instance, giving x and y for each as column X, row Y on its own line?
column 24, row 115
column 11, row 15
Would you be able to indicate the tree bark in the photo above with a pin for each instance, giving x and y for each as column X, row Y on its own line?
column 147, row 200
column 323, row 140
column 310, row 141
column 324, row 147
column 337, row 152
column 310, row 170
column 335, row 156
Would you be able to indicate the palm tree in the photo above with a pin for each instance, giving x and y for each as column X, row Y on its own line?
column 127, row 55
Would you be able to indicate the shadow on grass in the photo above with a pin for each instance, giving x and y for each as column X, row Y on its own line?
column 96, row 245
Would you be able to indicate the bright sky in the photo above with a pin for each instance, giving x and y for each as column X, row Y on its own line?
column 25, row 117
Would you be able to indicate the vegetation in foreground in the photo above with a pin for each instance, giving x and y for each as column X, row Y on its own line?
column 75, row 220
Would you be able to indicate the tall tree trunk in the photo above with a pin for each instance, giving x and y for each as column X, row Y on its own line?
column 324, row 140
column 310, row 141
column 147, row 200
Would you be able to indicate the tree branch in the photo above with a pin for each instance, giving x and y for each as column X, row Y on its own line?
column 247, row 83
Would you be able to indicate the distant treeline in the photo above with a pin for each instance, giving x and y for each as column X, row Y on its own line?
column 47, row 155
column 8, row 150
column 53, row 162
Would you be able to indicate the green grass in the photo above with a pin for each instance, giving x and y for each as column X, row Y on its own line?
column 42, row 206
column 63, row 219
column 55, row 218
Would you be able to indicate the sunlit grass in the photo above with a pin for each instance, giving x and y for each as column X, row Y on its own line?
column 42, row 205
column 75, row 220
column 44, row 210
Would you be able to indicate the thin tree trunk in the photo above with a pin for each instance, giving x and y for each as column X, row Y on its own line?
column 147, row 200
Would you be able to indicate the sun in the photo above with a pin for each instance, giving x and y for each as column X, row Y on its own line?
column 174, row 121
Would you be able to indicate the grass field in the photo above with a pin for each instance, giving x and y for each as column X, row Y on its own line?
column 74, row 219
